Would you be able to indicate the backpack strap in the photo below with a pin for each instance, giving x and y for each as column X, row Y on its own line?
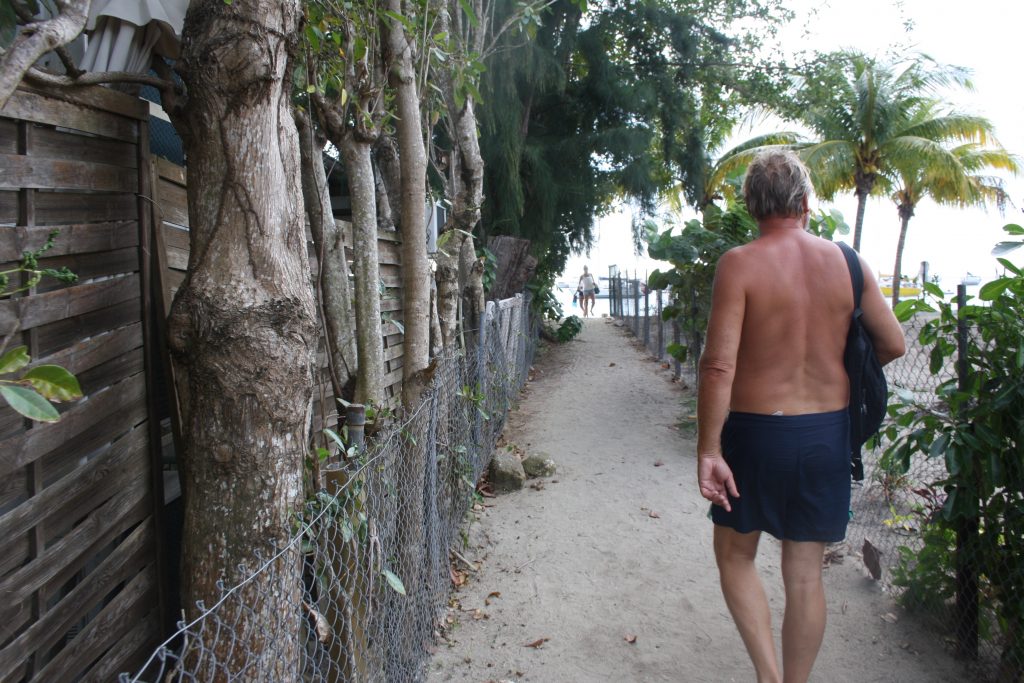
column 856, row 275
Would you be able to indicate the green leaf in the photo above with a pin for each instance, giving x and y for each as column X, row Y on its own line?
column 29, row 403
column 1009, row 265
column 15, row 359
column 1013, row 229
column 54, row 382
column 393, row 581
column 333, row 435
column 906, row 309
column 991, row 290
column 934, row 290
column 677, row 351
column 470, row 14
column 938, row 446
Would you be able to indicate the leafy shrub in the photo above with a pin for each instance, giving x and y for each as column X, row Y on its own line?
column 977, row 428
column 569, row 329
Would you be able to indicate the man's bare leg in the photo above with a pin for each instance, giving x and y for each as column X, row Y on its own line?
column 804, row 624
column 744, row 595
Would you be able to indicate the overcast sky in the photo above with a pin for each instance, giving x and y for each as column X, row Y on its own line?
column 982, row 35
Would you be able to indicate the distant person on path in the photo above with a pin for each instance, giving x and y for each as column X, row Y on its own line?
column 773, row 431
column 588, row 289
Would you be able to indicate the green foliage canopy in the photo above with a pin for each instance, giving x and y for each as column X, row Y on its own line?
column 621, row 100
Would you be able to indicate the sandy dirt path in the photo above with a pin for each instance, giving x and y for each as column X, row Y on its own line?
column 616, row 546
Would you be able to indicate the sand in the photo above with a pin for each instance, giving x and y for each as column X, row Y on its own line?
column 605, row 572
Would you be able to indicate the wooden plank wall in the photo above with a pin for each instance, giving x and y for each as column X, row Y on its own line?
column 79, row 572
column 171, row 215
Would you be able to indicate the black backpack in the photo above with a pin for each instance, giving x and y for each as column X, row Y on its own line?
column 869, row 392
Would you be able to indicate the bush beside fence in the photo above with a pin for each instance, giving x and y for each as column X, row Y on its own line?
column 373, row 555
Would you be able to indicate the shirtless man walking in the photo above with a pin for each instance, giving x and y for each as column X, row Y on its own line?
column 772, row 445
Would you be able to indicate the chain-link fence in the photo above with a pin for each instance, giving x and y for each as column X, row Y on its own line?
column 357, row 592
column 639, row 308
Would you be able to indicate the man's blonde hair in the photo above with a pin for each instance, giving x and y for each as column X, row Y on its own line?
column 776, row 184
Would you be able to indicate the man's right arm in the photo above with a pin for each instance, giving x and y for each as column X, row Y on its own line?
column 886, row 332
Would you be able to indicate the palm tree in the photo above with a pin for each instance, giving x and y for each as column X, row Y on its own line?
column 949, row 176
column 867, row 117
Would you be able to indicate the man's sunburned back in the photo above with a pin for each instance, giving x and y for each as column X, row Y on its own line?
column 798, row 302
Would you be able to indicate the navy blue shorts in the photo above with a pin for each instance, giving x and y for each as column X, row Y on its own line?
column 792, row 473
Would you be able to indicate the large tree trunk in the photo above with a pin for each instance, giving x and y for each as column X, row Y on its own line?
column 413, row 165
column 515, row 265
column 332, row 280
column 243, row 330
column 366, row 263
column 905, row 214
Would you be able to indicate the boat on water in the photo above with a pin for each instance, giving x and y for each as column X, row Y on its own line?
column 908, row 288
column 970, row 279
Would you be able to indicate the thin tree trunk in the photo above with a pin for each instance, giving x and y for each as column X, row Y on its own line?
column 366, row 264
column 35, row 40
column 332, row 280
column 905, row 215
column 389, row 180
column 243, row 330
column 446, row 278
column 413, row 164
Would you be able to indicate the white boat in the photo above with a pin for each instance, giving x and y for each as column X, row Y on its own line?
column 970, row 279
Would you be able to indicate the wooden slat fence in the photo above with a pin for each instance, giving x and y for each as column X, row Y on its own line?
column 83, row 574
column 80, row 499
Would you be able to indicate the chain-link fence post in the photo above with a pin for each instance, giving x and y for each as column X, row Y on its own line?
column 677, row 336
column 967, row 526
column 647, row 316
column 661, row 329
column 636, row 304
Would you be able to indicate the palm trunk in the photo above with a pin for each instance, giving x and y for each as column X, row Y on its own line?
column 865, row 182
column 243, row 331
column 858, row 226
column 905, row 215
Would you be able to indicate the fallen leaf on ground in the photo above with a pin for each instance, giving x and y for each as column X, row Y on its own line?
column 611, row 365
column 659, row 463
column 890, row 617
column 479, row 614
column 537, row 643
column 492, row 594
column 630, row 638
column 666, row 365
column 872, row 559
column 654, row 514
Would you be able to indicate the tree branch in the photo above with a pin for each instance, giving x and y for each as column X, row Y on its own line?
column 36, row 39
column 97, row 78
column 62, row 52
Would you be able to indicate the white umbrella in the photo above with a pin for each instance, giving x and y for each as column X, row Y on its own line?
column 125, row 33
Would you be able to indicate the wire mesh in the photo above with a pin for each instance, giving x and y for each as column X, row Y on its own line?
column 358, row 591
column 639, row 309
